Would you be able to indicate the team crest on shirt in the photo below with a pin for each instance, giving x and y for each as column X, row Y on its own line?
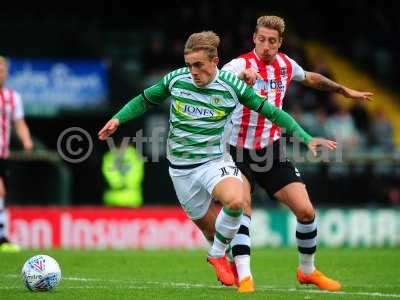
column 283, row 71
column 216, row 100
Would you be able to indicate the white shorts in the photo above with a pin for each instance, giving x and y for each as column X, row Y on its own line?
column 194, row 187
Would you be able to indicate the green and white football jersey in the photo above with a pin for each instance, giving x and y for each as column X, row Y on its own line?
column 198, row 115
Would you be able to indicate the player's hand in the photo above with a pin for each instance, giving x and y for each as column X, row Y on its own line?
column 108, row 129
column 250, row 76
column 353, row 94
column 28, row 145
column 317, row 143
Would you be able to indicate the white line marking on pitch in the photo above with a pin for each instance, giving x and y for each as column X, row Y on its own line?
column 197, row 285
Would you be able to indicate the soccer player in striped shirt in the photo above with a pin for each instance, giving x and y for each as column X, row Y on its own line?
column 11, row 111
column 202, row 101
column 253, row 134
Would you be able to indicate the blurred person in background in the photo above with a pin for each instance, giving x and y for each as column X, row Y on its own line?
column 393, row 195
column 340, row 126
column 321, row 120
column 203, row 99
column 11, row 113
column 254, row 136
column 362, row 123
column 123, row 169
column 382, row 132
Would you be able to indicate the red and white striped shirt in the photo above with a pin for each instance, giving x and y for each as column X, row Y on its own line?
column 251, row 130
column 10, row 110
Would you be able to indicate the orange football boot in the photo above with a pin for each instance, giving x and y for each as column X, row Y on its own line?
column 319, row 279
column 246, row 285
column 222, row 270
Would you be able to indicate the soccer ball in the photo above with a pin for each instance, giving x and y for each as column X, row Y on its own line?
column 41, row 273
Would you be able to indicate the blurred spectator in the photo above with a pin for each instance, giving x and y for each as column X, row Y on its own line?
column 321, row 118
column 382, row 132
column 394, row 196
column 362, row 122
column 227, row 48
column 174, row 55
column 314, row 122
column 340, row 127
column 154, row 57
column 383, row 63
column 123, row 169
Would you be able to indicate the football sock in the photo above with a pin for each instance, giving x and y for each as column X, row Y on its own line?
column 226, row 226
column 241, row 248
column 242, row 263
column 228, row 252
column 306, row 238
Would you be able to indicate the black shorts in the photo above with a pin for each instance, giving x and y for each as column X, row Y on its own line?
column 268, row 167
column 3, row 168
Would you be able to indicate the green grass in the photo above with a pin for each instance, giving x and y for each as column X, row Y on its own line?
column 364, row 274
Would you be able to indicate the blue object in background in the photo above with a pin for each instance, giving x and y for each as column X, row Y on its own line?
column 49, row 86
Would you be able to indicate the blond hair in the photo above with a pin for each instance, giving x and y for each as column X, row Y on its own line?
column 271, row 22
column 205, row 40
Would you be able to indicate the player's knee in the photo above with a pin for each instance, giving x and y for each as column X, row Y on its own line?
column 306, row 214
column 235, row 203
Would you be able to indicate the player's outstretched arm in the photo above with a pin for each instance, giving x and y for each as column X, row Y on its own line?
column 136, row 107
column 320, row 82
column 317, row 143
column 108, row 129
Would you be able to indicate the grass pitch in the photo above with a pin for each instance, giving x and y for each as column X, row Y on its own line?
column 364, row 274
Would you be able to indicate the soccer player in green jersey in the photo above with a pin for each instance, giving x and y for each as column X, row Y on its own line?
column 203, row 99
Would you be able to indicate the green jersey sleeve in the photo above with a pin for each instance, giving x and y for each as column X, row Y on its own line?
column 151, row 96
column 137, row 106
column 133, row 109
